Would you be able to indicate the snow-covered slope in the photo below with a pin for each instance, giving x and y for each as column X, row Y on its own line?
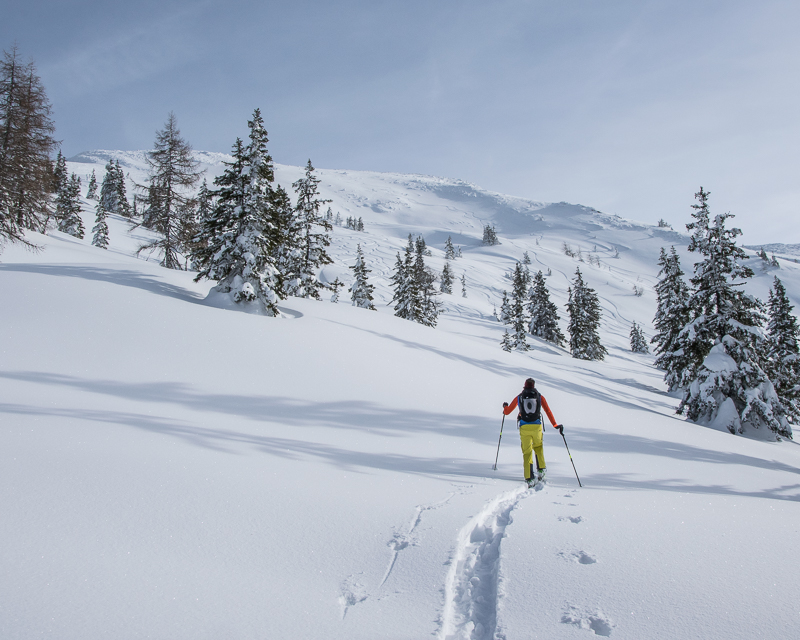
column 169, row 469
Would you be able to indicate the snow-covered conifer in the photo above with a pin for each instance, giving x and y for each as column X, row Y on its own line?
column 241, row 231
column 584, row 321
column 543, row 313
column 91, row 192
column 507, row 343
column 414, row 294
column 505, row 309
column 447, row 278
column 638, row 340
column 112, row 190
column 463, row 285
column 783, row 357
column 490, row 235
column 672, row 315
column 69, row 208
column 335, row 286
column 313, row 239
column 100, row 229
column 517, row 312
column 361, row 290
column 449, row 250
column 360, row 225
column 728, row 386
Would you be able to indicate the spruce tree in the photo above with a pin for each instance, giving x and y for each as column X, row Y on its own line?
column 313, row 239
column 91, row 192
column 112, row 191
column 100, row 229
column 507, row 343
column 449, row 250
column 490, row 235
column 638, row 340
column 26, row 147
column 517, row 313
column 783, row 355
column 584, row 321
column 728, row 386
column 425, row 285
column 672, row 315
column 407, row 299
column 238, row 239
column 361, row 291
column 463, row 285
column 447, row 278
column 505, row 309
column 173, row 173
column 69, row 208
column 543, row 313
column 123, row 208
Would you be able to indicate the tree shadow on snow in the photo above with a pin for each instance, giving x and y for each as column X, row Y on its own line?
column 124, row 277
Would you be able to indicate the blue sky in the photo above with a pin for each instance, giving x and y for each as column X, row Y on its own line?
column 626, row 106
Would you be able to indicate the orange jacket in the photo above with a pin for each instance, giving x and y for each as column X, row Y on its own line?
column 513, row 405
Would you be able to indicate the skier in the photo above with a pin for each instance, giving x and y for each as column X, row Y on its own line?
column 529, row 421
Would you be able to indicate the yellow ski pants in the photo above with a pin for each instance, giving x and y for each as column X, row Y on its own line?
column 530, row 436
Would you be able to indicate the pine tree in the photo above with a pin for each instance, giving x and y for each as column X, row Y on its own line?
column 526, row 259
column 425, row 285
column 112, row 191
column 26, row 146
column 727, row 386
column 335, row 286
column 463, row 285
column 123, row 208
column 517, row 313
column 406, row 294
column 447, row 279
column 91, row 192
column 505, row 309
column 414, row 294
column 584, row 321
column 239, row 238
column 783, row 355
column 69, row 208
column 313, row 239
column 507, row 343
column 638, row 340
column 543, row 313
column 100, row 229
column 361, row 291
column 449, row 250
column 173, row 173
column 61, row 189
column 490, row 235
column 672, row 315
column 360, row 225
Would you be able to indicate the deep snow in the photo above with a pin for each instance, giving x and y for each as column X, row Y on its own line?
column 171, row 469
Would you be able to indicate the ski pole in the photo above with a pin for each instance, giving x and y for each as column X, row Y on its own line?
column 569, row 454
column 498, row 442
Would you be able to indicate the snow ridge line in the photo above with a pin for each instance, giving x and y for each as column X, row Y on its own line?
column 470, row 605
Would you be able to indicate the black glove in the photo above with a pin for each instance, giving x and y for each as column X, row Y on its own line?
column 505, row 404
column 560, row 428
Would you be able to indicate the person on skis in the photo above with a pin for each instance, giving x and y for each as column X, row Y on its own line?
column 529, row 421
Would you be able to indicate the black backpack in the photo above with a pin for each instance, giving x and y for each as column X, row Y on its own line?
column 530, row 406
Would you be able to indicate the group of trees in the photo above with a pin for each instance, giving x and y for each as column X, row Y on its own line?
column 528, row 309
column 413, row 284
column 27, row 179
column 252, row 240
column 710, row 340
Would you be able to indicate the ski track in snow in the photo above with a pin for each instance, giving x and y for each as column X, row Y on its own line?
column 402, row 541
column 471, row 590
